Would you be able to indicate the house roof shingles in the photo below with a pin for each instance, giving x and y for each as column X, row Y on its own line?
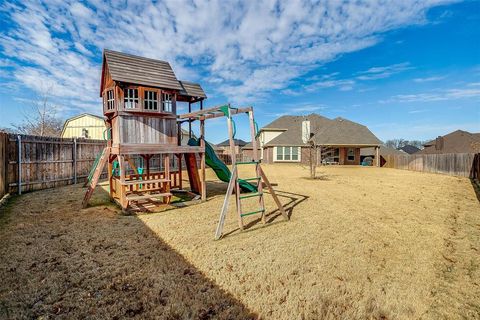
column 338, row 131
column 409, row 149
column 384, row 151
column 237, row 142
column 458, row 141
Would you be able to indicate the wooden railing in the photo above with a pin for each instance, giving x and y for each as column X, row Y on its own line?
column 455, row 164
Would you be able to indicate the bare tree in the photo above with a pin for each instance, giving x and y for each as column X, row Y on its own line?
column 398, row 143
column 308, row 138
column 41, row 118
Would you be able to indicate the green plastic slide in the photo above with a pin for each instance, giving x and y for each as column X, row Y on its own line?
column 220, row 168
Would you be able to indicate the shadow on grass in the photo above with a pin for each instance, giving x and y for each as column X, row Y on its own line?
column 294, row 199
column 97, row 263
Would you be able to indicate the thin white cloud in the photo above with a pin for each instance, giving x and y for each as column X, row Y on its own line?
column 241, row 49
column 376, row 73
column 444, row 95
column 428, row 79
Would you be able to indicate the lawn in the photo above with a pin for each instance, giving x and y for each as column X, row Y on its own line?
column 361, row 243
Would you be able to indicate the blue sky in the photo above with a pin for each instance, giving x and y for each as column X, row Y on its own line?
column 406, row 69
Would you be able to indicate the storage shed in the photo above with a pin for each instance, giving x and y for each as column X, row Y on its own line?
column 85, row 125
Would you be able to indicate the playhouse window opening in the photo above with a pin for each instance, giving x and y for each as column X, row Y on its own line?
column 150, row 100
column 110, row 100
column 167, row 102
column 130, row 98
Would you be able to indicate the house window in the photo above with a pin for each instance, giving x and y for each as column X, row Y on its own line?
column 110, row 100
column 167, row 102
column 150, row 101
column 351, row 154
column 130, row 98
column 287, row 154
column 85, row 133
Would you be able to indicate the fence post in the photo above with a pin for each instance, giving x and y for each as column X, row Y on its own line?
column 74, row 160
column 19, row 163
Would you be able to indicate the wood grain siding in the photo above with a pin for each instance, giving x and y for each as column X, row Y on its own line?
column 3, row 164
column 146, row 130
column 454, row 164
column 48, row 162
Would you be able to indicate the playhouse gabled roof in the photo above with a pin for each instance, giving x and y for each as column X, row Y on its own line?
column 133, row 69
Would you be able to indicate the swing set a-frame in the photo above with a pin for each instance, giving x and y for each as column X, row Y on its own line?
column 235, row 182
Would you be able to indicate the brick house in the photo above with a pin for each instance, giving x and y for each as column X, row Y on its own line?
column 458, row 141
column 224, row 147
column 337, row 141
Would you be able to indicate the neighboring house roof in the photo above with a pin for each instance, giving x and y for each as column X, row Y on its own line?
column 292, row 127
column 237, row 142
column 409, row 149
column 192, row 89
column 384, row 151
column 67, row 121
column 129, row 68
column 345, row 132
column 455, row 142
column 336, row 132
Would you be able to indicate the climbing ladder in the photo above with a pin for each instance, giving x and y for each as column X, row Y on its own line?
column 234, row 186
column 95, row 174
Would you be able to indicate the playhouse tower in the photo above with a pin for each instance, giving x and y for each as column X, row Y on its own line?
column 140, row 98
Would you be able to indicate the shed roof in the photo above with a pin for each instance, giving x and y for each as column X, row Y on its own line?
column 129, row 68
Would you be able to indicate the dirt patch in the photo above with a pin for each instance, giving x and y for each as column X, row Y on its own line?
column 364, row 243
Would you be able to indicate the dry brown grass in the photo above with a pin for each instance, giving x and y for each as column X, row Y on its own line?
column 361, row 243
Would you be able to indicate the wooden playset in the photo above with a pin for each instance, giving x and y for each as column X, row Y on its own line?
column 140, row 98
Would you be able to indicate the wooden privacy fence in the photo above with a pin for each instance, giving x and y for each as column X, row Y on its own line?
column 34, row 163
column 455, row 164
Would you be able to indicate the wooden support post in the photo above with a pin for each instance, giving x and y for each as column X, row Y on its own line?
column 122, row 193
column 253, row 134
column 377, row 156
column 180, row 184
column 189, row 121
column 110, row 174
column 167, row 176
column 74, row 158
column 19, row 163
column 223, row 212
column 202, row 162
column 237, row 198
column 274, row 195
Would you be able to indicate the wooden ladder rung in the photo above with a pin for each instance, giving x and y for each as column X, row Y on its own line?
column 250, row 195
column 134, row 182
column 135, row 197
column 253, row 212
